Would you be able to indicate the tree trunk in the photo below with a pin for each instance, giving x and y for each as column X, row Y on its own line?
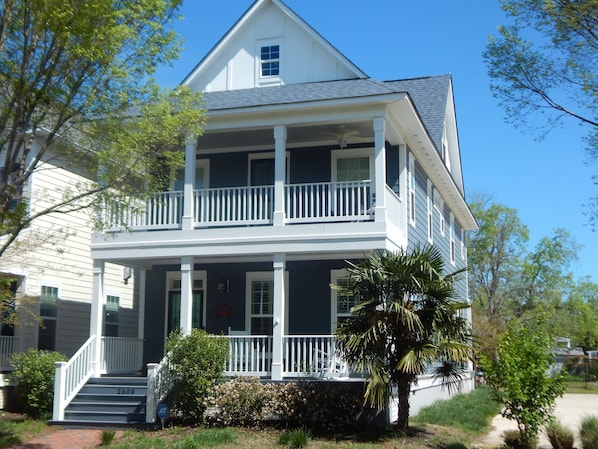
column 403, row 391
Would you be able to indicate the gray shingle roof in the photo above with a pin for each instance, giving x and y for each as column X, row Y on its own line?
column 429, row 95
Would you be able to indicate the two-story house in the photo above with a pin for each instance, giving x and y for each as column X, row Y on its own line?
column 305, row 163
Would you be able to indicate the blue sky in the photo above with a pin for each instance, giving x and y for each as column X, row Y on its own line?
column 546, row 181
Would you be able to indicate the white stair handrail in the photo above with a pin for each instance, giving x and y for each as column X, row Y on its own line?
column 71, row 376
column 160, row 380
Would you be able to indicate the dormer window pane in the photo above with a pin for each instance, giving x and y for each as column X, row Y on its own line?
column 270, row 60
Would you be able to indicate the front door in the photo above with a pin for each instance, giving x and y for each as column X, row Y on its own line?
column 174, row 310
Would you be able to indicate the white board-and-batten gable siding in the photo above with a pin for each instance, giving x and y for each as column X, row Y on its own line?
column 305, row 56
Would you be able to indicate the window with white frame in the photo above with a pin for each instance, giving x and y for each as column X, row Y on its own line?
column 411, row 189
column 201, row 176
column 452, row 238
column 261, row 302
column 48, row 313
column 269, row 60
column 462, row 243
column 430, row 214
column 439, row 205
column 111, row 316
column 341, row 303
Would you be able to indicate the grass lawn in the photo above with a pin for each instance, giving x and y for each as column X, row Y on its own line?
column 578, row 385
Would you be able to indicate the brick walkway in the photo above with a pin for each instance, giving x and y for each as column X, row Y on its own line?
column 64, row 439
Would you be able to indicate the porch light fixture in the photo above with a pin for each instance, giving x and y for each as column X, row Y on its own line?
column 222, row 286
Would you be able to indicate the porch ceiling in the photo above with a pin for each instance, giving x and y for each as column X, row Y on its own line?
column 297, row 136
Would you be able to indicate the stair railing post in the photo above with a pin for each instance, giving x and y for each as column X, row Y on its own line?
column 152, row 386
column 59, row 389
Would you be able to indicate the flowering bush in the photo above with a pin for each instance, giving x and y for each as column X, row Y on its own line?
column 248, row 402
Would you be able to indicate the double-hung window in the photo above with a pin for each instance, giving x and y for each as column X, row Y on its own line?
column 452, row 238
column 111, row 316
column 261, row 307
column 411, row 189
column 48, row 313
column 430, row 214
column 342, row 303
column 269, row 60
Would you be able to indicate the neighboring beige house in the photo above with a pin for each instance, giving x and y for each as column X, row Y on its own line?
column 52, row 268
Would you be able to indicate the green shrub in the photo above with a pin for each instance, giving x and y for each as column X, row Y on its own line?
column 198, row 361
column 455, row 445
column 560, row 436
column 295, row 439
column 246, row 401
column 34, row 378
column 588, row 432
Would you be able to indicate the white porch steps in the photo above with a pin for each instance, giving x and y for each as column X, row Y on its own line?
column 109, row 401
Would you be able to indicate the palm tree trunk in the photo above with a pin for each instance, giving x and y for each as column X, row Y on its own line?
column 403, row 391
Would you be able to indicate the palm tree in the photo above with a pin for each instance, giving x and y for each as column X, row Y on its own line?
column 407, row 319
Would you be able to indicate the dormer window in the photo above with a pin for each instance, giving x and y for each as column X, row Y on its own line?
column 270, row 60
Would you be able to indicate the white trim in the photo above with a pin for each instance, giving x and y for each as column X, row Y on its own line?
column 201, row 275
column 269, row 80
column 267, row 155
column 452, row 249
column 345, row 153
column 463, row 249
column 251, row 276
column 430, row 210
column 335, row 275
column 412, row 191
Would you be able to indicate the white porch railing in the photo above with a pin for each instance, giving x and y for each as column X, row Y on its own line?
column 328, row 201
column 249, row 355
column 234, row 205
column 121, row 355
column 162, row 210
column 8, row 346
column 312, row 356
column 72, row 375
column 160, row 380
column 240, row 206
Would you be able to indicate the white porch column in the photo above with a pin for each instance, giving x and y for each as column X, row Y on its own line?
column 278, row 312
column 380, row 169
column 190, row 151
column 97, row 313
column 186, row 317
column 280, row 139
column 141, row 313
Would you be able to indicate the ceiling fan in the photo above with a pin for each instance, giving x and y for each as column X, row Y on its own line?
column 342, row 135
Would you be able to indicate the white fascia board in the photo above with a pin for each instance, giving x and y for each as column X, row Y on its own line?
column 300, row 113
column 423, row 147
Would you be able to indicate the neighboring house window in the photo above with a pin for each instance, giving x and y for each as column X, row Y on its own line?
column 270, row 60
column 341, row 304
column 411, row 189
column 261, row 302
column 111, row 316
column 430, row 213
column 48, row 312
column 452, row 238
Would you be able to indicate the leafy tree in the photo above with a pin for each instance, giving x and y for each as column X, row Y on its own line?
column 552, row 68
column 520, row 380
column 76, row 92
column 495, row 253
column 578, row 316
column 407, row 320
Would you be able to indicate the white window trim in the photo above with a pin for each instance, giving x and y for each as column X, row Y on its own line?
column 462, row 243
column 335, row 275
column 172, row 276
column 200, row 163
column 114, row 295
column 251, row 276
column 412, row 190
column 271, row 79
column 452, row 249
column 268, row 155
column 51, row 284
column 430, row 216
column 439, row 206
column 347, row 153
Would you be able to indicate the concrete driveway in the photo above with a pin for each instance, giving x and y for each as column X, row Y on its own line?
column 570, row 410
